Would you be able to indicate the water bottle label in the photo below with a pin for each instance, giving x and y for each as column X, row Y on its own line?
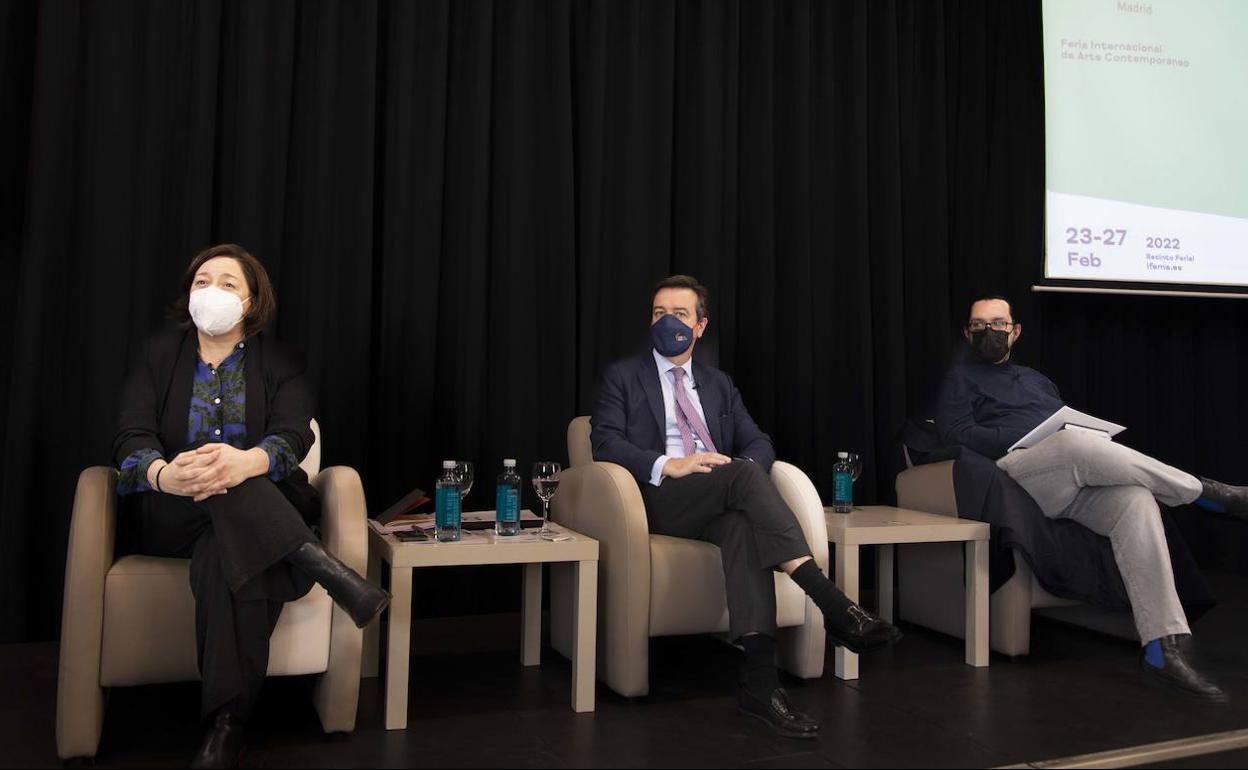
column 507, row 503
column 843, row 488
column 448, row 507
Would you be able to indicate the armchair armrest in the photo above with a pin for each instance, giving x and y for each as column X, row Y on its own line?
column 344, row 516
column 802, row 649
column 344, row 530
column 802, row 497
column 928, row 488
column 92, row 530
column 602, row 500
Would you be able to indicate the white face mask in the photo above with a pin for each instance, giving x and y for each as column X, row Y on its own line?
column 215, row 311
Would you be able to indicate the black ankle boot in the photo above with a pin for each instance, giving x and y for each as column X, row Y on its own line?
column 1179, row 674
column 1233, row 499
column 223, row 744
column 362, row 600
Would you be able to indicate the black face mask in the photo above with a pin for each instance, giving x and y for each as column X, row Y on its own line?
column 991, row 345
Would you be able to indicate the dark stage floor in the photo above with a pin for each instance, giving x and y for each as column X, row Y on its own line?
column 916, row 705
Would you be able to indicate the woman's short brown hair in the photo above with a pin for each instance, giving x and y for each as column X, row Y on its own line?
column 263, row 300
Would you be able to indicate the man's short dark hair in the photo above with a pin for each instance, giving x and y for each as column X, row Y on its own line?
column 990, row 298
column 684, row 282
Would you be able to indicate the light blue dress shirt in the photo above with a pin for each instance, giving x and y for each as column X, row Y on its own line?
column 675, row 444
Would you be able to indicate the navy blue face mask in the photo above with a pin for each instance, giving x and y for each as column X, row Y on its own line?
column 671, row 336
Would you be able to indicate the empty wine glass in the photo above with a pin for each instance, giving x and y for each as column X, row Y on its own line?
column 855, row 464
column 855, row 467
column 545, row 483
column 463, row 471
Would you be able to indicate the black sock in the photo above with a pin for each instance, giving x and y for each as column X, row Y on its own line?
column 827, row 597
column 759, row 675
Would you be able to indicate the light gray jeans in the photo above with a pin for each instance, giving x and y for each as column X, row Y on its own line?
column 1113, row 490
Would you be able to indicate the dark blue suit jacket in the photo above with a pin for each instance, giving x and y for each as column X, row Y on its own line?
column 629, row 426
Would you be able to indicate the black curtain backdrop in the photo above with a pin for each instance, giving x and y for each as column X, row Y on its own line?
column 464, row 206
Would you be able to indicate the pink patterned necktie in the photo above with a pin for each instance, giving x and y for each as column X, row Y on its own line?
column 688, row 421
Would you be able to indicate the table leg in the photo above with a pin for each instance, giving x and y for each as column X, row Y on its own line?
column 847, row 581
column 884, row 581
column 531, row 614
column 398, row 647
column 585, row 646
column 977, row 625
column 372, row 632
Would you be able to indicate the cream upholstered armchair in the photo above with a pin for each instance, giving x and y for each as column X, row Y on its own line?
column 653, row 585
column 131, row 621
column 930, row 578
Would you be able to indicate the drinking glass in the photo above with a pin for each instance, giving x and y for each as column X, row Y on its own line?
column 855, row 464
column 545, row 483
column 855, row 468
column 463, row 471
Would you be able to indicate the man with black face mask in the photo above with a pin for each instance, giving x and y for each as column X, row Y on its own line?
column 703, row 466
column 988, row 403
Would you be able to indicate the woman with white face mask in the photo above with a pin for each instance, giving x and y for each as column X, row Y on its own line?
column 214, row 424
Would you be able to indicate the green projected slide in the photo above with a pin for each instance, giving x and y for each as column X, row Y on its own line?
column 1146, row 121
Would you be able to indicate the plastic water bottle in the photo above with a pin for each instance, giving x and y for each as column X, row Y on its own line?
column 507, row 501
column 842, row 484
column 448, row 517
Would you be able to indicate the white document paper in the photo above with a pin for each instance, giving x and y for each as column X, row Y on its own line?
column 466, row 537
column 425, row 521
column 532, row 536
column 1059, row 420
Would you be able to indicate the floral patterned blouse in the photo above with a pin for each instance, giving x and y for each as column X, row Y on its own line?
column 218, row 413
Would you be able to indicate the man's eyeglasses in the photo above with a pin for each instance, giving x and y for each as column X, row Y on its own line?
column 1000, row 325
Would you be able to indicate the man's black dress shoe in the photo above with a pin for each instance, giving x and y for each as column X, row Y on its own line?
column 860, row 631
column 775, row 712
column 1233, row 499
column 1179, row 674
column 223, row 745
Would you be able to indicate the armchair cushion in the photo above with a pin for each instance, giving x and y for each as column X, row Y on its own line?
column 149, row 626
column 687, row 590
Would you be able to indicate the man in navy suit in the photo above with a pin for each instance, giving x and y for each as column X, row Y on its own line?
column 703, row 466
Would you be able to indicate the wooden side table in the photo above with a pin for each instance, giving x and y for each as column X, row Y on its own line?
column 484, row 548
column 885, row 527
